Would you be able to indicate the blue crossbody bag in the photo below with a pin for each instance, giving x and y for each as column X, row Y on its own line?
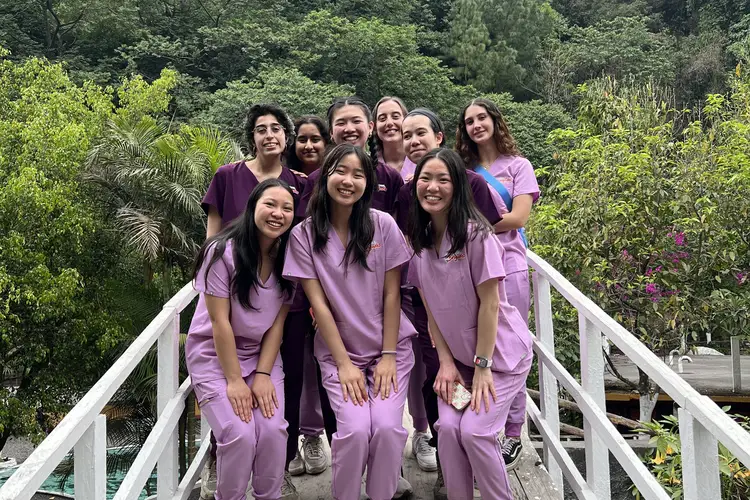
column 504, row 194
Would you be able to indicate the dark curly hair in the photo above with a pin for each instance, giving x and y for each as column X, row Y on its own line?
column 504, row 141
column 258, row 110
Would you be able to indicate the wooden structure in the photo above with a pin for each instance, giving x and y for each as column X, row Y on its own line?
column 702, row 423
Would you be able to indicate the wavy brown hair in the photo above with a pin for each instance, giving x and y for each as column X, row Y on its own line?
column 504, row 140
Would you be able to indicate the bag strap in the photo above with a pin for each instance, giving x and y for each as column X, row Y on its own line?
column 497, row 185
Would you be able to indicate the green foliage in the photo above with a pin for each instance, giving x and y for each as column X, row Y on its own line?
column 665, row 460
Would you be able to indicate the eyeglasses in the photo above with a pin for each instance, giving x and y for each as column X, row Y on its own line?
column 263, row 129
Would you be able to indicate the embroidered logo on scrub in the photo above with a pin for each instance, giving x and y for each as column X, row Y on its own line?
column 382, row 188
column 374, row 245
column 455, row 257
column 294, row 190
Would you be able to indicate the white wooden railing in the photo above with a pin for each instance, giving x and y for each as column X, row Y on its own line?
column 84, row 428
column 702, row 423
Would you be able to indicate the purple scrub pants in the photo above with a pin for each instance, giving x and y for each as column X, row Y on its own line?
column 469, row 446
column 518, row 293
column 371, row 435
column 311, row 415
column 418, row 373
column 239, row 443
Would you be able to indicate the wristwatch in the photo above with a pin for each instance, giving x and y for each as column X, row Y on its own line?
column 482, row 362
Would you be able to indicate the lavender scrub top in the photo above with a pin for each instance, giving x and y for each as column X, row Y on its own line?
column 232, row 184
column 517, row 175
column 249, row 326
column 384, row 198
column 407, row 169
column 455, row 308
column 479, row 188
column 354, row 296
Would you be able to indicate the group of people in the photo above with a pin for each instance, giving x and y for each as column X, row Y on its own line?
column 356, row 263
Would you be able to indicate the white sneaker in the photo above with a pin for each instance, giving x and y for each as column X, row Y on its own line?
column 403, row 489
column 288, row 491
column 297, row 465
column 315, row 458
column 420, row 448
column 208, row 480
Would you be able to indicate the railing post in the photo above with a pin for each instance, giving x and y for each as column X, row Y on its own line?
column 548, row 392
column 700, row 459
column 90, row 462
column 168, row 383
column 592, row 381
column 736, row 370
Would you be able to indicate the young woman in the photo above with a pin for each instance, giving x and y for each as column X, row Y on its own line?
column 471, row 323
column 232, row 349
column 350, row 122
column 423, row 131
column 303, row 402
column 484, row 141
column 269, row 134
column 348, row 259
column 389, row 113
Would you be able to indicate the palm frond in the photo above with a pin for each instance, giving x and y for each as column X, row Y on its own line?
column 141, row 231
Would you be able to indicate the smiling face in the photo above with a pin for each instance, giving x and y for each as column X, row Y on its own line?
column 418, row 137
column 350, row 125
column 309, row 145
column 269, row 136
column 479, row 124
column 435, row 187
column 347, row 181
column 388, row 122
column 274, row 212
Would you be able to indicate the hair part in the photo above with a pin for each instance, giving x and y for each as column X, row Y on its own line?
column 435, row 122
column 504, row 140
column 360, row 222
column 293, row 161
column 246, row 251
column 461, row 212
column 258, row 110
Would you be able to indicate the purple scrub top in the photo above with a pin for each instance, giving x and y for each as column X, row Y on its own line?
column 517, row 175
column 384, row 198
column 248, row 325
column 232, row 184
column 455, row 307
column 355, row 296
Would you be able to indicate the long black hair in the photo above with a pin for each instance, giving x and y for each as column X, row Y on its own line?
column 461, row 211
column 339, row 103
column 258, row 110
column 246, row 250
column 360, row 222
column 292, row 159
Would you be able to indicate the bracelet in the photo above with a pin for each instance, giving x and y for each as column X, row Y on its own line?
column 389, row 352
column 262, row 373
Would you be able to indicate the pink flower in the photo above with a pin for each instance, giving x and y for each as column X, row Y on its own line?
column 679, row 239
column 652, row 288
column 741, row 277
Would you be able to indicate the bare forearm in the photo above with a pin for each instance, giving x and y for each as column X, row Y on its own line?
column 326, row 324
column 444, row 352
column 226, row 350
column 391, row 309
column 487, row 328
column 269, row 347
column 509, row 222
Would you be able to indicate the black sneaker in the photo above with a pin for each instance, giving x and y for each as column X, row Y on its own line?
column 512, row 448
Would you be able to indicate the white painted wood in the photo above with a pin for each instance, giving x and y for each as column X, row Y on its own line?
column 700, row 459
column 727, row 431
column 182, row 298
column 547, row 383
column 90, row 462
column 592, row 381
column 205, row 427
column 667, row 379
column 636, row 470
column 154, row 447
column 167, row 381
column 193, row 473
column 736, row 371
column 574, row 478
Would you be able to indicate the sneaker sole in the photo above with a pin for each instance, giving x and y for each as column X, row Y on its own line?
column 512, row 465
column 319, row 469
column 297, row 471
column 427, row 467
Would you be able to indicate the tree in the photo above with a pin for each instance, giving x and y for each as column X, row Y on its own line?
column 649, row 221
column 57, row 257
